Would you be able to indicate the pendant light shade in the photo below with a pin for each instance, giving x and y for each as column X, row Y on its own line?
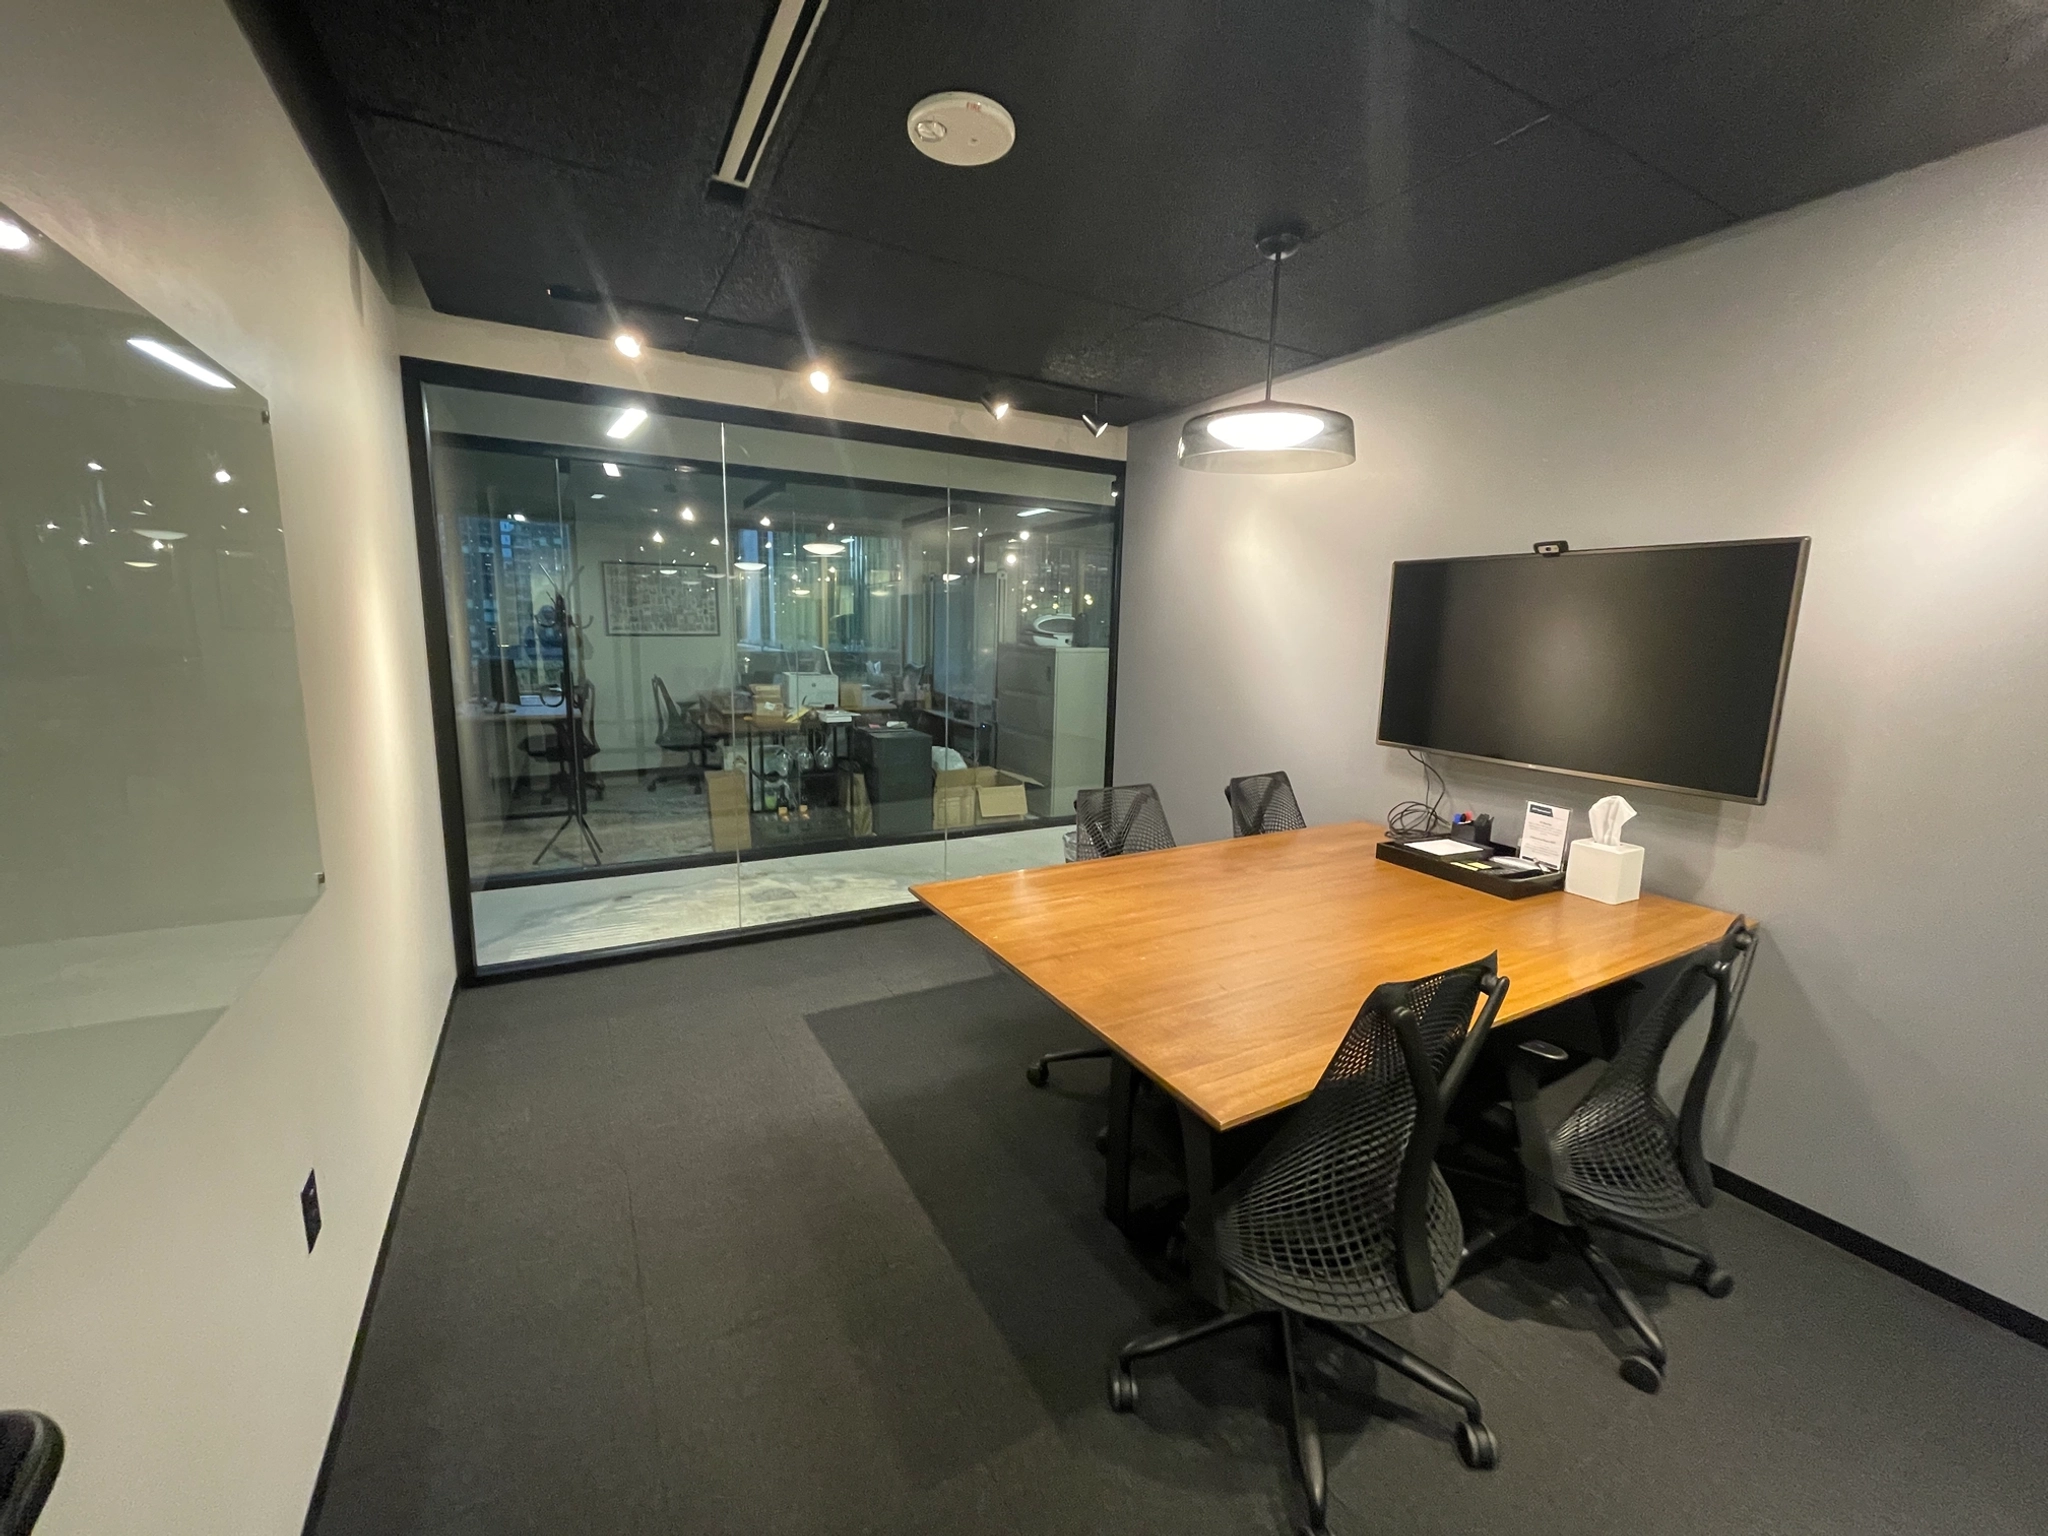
column 1272, row 437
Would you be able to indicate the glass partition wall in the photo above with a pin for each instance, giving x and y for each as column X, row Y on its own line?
column 713, row 675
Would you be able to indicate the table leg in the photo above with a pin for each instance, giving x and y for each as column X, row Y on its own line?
column 1198, row 1151
column 1123, row 1094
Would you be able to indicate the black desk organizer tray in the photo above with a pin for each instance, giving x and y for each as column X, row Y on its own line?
column 1475, row 879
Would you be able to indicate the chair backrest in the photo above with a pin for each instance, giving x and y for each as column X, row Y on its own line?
column 1359, row 1155
column 1627, row 1090
column 664, row 707
column 586, row 715
column 31, row 1454
column 1262, row 802
column 1123, row 818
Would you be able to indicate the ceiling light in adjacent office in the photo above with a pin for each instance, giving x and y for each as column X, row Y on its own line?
column 1034, row 511
column 167, row 535
column 518, row 517
column 825, row 547
column 220, row 477
column 669, row 570
column 83, row 540
column 626, row 423
column 141, row 565
column 149, row 346
column 1009, row 559
column 996, row 406
column 611, row 471
column 1269, row 437
column 829, row 527
column 944, row 576
column 688, row 515
column 714, row 542
column 243, row 510
column 748, row 565
column 597, row 495
column 12, row 236
column 1024, row 534
column 799, row 591
column 767, row 523
column 627, row 343
column 821, row 381
column 93, row 465
column 961, row 128
column 659, row 538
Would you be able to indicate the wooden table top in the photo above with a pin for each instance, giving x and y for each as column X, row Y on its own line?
column 1228, row 972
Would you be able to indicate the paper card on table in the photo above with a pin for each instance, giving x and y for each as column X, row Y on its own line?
column 1544, row 831
column 1444, row 847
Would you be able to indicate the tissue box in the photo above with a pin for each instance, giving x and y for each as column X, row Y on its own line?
column 1609, row 872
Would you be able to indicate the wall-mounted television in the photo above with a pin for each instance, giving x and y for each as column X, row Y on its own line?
column 1661, row 666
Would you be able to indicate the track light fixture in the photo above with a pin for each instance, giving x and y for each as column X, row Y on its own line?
column 1093, row 421
column 995, row 405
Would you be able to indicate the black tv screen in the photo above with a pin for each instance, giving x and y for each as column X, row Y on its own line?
column 1659, row 666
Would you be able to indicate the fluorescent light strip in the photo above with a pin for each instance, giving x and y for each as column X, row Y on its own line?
column 150, row 347
column 629, row 422
column 783, row 46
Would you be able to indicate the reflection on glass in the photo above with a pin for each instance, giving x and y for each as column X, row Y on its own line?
column 739, row 676
column 155, row 776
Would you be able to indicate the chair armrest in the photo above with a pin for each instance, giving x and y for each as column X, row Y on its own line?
column 1543, row 1050
column 1525, row 1064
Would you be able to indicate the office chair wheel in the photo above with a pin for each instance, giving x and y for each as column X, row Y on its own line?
column 1036, row 1074
column 1642, row 1373
column 1477, row 1447
column 1713, row 1279
column 1123, row 1389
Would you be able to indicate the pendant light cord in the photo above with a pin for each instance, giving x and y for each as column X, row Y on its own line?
column 1272, row 326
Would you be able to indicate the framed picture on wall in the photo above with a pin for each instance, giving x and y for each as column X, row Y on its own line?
column 654, row 598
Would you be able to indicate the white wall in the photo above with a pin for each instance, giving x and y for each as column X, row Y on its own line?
column 169, row 1315
column 1871, row 370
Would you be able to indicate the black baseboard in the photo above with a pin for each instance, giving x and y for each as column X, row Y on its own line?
column 355, row 1354
column 1991, row 1308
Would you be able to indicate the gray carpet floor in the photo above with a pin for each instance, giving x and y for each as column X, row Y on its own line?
column 777, row 1239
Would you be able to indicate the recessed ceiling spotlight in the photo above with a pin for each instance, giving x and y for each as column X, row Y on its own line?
column 961, row 128
column 12, row 236
column 222, row 477
column 996, row 406
column 243, row 510
column 767, row 522
column 688, row 515
column 821, row 380
column 93, row 465
column 627, row 343
column 658, row 538
column 149, row 346
column 518, row 517
column 611, row 471
column 626, row 423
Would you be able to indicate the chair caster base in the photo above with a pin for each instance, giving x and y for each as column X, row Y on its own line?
column 1477, row 1446
column 1642, row 1373
column 1037, row 1074
column 1123, row 1389
column 1713, row 1279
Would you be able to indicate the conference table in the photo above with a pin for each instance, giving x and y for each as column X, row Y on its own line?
column 1227, row 973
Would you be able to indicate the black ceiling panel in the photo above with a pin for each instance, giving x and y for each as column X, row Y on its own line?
column 1560, row 50
column 490, row 229
column 833, row 287
column 1551, row 204
column 1447, row 155
column 1817, row 95
column 1154, row 139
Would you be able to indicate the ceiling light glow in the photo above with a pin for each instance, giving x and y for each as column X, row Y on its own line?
column 821, row 381
column 141, row 565
column 748, row 565
column 12, row 236
column 996, row 406
column 220, row 476
column 93, row 465
column 627, row 343
column 688, row 515
column 1265, row 429
column 825, row 547
column 626, row 424
column 611, row 471
column 149, row 346
column 1034, row 511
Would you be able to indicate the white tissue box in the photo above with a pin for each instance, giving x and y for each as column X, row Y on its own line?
column 1609, row 872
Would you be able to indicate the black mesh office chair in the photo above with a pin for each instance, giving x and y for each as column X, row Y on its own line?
column 31, row 1454
column 679, row 732
column 1263, row 802
column 1343, row 1220
column 1601, row 1148
column 1124, row 818
column 552, row 746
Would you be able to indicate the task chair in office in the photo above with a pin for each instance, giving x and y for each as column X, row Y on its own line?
column 553, row 745
column 680, row 732
column 1342, row 1220
column 1263, row 802
column 31, row 1454
column 1600, row 1147
column 1123, row 818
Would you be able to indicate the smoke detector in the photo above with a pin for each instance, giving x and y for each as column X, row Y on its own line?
column 961, row 128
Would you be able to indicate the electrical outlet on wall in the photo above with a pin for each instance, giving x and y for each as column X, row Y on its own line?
column 309, row 1208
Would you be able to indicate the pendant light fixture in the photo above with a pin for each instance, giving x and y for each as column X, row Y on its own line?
column 1271, row 437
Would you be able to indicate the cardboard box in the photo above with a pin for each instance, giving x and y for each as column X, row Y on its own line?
column 732, row 826
column 973, row 797
column 849, row 696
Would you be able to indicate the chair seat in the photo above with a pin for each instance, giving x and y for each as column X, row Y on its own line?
column 1618, row 1152
column 1334, row 1260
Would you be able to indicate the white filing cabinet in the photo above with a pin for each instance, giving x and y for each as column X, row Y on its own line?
column 1052, row 718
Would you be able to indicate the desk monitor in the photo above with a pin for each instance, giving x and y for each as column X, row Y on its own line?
column 1661, row 666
